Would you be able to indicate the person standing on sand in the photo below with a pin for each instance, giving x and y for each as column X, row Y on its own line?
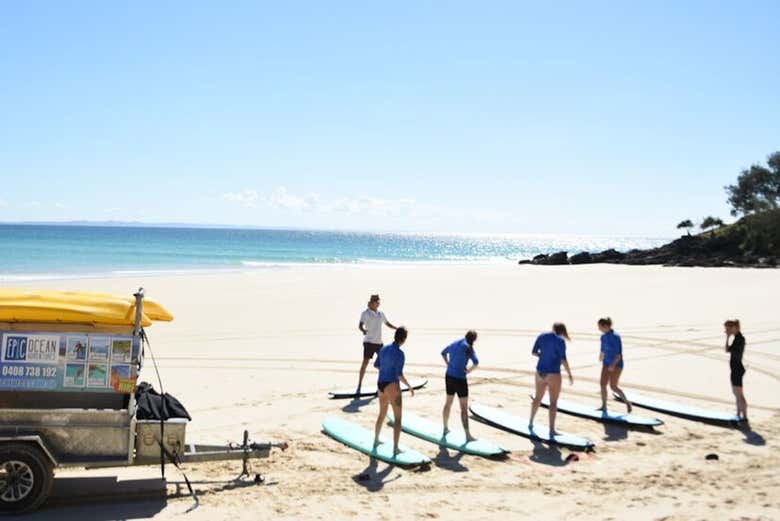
column 551, row 350
column 390, row 362
column 736, row 350
column 457, row 356
column 371, row 322
column 611, row 358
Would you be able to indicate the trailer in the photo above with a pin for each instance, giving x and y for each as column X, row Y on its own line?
column 68, row 372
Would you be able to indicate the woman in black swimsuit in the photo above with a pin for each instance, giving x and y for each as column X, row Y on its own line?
column 736, row 350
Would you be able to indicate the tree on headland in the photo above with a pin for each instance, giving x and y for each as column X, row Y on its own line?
column 757, row 188
column 687, row 224
column 711, row 222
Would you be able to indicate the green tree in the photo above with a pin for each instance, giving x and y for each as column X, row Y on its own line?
column 757, row 188
column 711, row 222
column 687, row 224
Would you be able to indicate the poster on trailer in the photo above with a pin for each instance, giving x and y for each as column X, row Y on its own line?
column 68, row 361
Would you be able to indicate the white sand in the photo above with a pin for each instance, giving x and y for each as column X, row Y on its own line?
column 260, row 350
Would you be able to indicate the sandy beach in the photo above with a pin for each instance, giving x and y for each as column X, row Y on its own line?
column 260, row 350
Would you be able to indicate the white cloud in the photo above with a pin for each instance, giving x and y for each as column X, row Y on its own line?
column 281, row 198
column 245, row 197
column 31, row 204
column 60, row 206
column 3, row 204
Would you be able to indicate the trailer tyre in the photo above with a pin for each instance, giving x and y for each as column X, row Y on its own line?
column 26, row 478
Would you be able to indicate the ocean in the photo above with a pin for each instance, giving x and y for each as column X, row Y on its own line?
column 35, row 252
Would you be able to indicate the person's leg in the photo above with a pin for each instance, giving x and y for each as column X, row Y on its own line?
column 614, row 379
column 541, row 386
column 380, row 420
column 604, row 382
column 396, row 403
column 446, row 412
column 554, row 385
column 739, row 395
column 464, row 416
column 362, row 372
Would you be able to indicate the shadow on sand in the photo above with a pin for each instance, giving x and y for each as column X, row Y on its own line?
column 444, row 460
column 103, row 499
column 372, row 479
column 614, row 432
column 547, row 455
column 751, row 436
column 356, row 403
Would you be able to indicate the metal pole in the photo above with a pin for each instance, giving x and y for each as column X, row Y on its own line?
column 139, row 298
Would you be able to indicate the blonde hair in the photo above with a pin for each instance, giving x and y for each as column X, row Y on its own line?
column 732, row 323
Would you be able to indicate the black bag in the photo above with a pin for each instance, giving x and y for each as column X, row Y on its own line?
column 149, row 404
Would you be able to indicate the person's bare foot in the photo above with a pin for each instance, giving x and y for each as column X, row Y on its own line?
column 629, row 407
column 446, row 430
column 396, row 451
column 376, row 443
column 470, row 438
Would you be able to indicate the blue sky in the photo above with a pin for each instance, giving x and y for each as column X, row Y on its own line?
column 583, row 117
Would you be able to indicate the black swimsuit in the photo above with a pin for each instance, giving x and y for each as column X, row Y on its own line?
column 737, row 349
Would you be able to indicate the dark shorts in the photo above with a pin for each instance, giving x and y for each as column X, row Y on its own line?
column 381, row 386
column 459, row 386
column 736, row 376
column 369, row 350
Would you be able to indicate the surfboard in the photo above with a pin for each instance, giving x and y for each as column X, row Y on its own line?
column 361, row 439
column 681, row 410
column 517, row 425
column 455, row 439
column 585, row 411
column 369, row 389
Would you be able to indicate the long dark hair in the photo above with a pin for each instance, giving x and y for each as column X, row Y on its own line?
column 471, row 337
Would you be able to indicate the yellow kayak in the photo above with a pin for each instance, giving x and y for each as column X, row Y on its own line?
column 71, row 307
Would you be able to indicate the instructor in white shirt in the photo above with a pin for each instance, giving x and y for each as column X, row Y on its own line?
column 371, row 321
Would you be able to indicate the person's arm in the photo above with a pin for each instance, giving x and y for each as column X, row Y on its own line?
column 376, row 362
column 536, row 348
column 474, row 362
column 362, row 327
column 444, row 355
column 401, row 374
column 601, row 356
column 406, row 383
column 615, row 361
column 727, row 343
column 565, row 364
column 388, row 324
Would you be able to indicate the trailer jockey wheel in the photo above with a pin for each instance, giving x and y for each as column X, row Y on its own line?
column 26, row 478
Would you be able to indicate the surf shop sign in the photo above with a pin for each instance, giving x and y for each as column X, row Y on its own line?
column 68, row 361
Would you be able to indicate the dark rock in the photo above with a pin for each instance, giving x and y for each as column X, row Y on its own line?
column 524, row 261
column 610, row 255
column 555, row 259
column 581, row 258
column 559, row 258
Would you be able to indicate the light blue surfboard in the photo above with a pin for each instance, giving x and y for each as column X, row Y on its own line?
column 361, row 439
column 682, row 410
column 455, row 439
column 585, row 411
column 517, row 425
column 369, row 389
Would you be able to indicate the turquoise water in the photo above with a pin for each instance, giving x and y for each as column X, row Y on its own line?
column 32, row 252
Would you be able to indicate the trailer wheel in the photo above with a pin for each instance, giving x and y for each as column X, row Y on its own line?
column 26, row 478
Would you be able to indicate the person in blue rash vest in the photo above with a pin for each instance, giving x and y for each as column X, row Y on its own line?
column 611, row 358
column 390, row 362
column 551, row 350
column 457, row 356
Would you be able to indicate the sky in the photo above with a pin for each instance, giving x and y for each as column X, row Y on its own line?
column 481, row 117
